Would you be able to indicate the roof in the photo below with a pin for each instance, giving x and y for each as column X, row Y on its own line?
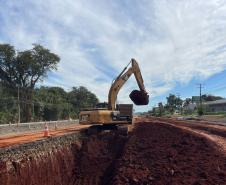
column 222, row 101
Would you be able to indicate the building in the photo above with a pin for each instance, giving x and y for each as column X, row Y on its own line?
column 216, row 106
column 195, row 99
column 191, row 107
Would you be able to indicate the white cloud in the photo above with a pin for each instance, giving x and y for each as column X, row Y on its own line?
column 173, row 41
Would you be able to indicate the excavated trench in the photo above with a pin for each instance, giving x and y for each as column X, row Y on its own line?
column 66, row 160
column 153, row 153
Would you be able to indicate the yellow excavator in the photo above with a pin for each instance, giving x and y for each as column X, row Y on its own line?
column 110, row 114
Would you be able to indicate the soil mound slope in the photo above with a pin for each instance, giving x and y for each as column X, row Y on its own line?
column 157, row 153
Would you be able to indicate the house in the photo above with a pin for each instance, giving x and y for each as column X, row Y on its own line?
column 191, row 107
column 216, row 106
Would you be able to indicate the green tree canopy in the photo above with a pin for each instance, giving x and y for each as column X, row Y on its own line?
column 173, row 102
column 209, row 97
column 80, row 97
column 23, row 69
column 52, row 103
column 20, row 71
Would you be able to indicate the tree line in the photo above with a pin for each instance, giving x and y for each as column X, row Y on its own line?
column 20, row 71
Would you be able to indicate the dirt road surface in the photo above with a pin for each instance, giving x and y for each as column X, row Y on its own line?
column 29, row 137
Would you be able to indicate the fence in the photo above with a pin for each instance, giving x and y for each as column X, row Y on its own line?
column 33, row 126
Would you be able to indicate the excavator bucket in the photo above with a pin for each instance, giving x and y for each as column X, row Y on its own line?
column 139, row 97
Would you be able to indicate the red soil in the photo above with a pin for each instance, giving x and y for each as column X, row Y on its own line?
column 6, row 141
column 157, row 151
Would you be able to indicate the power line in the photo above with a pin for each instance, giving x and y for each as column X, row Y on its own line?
column 217, row 89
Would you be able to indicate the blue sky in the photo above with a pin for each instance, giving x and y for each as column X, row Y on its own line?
column 214, row 85
column 178, row 43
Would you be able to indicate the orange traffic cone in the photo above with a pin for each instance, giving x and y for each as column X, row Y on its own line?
column 46, row 131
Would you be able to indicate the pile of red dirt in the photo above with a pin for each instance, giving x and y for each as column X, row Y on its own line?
column 157, row 153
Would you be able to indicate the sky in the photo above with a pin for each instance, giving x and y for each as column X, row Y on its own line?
column 177, row 43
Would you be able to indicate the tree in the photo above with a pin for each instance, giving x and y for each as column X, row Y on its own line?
column 24, row 69
column 209, row 97
column 161, row 108
column 154, row 111
column 51, row 103
column 187, row 102
column 80, row 98
column 8, row 108
column 173, row 103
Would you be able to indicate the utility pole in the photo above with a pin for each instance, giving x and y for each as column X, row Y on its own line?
column 200, row 86
column 33, row 111
column 18, row 100
column 33, row 105
column 68, row 111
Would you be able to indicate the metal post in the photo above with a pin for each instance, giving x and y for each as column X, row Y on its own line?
column 200, row 94
column 68, row 111
column 18, row 99
column 200, row 98
column 33, row 105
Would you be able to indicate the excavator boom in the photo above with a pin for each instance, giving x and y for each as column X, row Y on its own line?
column 138, row 97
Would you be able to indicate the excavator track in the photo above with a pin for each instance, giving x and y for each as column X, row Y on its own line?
column 95, row 129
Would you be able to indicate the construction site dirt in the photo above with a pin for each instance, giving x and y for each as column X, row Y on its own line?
column 156, row 151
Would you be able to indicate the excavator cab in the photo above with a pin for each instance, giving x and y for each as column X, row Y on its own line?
column 139, row 97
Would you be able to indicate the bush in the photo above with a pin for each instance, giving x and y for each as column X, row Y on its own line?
column 216, row 113
column 200, row 111
column 6, row 117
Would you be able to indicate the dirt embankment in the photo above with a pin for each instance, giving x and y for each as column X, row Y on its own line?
column 66, row 160
column 153, row 153
column 157, row 153
column 44, row 162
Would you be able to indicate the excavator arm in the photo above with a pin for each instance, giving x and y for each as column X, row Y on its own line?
column 138, row 97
